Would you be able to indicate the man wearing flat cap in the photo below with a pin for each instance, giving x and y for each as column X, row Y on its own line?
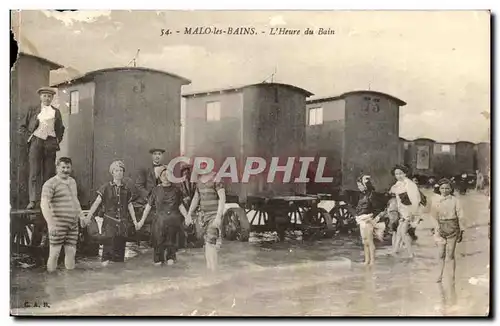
column 43, row 128
column 148, row 177
column 146, row 180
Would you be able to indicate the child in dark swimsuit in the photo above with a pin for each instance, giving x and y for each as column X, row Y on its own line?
column 365, row 213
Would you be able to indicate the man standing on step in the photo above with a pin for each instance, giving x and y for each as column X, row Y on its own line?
column 43, row 128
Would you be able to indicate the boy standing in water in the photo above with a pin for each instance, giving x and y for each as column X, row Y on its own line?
column 365, row 217
column 449, row 216
column 211, row 197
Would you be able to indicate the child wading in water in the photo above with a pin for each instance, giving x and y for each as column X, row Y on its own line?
column 448, row 213
column 211, row 197
column 368, row 226
column 166, row 227
column 391, row 213
column 116, row 200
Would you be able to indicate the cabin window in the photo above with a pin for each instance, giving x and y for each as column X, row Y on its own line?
column 315, row 116
column 74, row 100
column 213, row 111
column 444, row 148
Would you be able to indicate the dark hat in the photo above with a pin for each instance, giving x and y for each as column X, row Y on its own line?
column 444, row 181
column 156, row 149
column 49, row 90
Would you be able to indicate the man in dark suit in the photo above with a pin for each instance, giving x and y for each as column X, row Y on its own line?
column 147, row 177
column 43, row 128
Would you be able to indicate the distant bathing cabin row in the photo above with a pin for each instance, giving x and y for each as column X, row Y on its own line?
column 431, row 159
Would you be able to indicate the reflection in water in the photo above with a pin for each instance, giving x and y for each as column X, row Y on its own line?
column 364, row 302
column 448, row 294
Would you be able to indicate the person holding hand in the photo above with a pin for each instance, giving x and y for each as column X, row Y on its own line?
column 211, row 197
column 170, row 214
column 116, row 200
column 61, row 210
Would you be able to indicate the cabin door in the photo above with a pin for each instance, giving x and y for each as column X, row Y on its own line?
column 79, row 133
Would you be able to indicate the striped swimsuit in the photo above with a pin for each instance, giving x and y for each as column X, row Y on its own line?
column 209, row 204
column 62, row 196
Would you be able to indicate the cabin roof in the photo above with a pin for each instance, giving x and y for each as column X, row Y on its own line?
column 464, row 142
column 442, row 142
column 52, row 64
column 91, row 74
column 424, row 139
column 239, row 88
column 344, row 95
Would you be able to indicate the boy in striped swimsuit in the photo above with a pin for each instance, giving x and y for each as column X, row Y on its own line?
column 61, row 209
column 212, row 197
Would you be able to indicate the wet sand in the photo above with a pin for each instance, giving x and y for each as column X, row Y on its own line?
column 265, row 278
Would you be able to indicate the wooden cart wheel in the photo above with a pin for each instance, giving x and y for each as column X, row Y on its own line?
column 22, row 233
column 235, row 225
column 258, row 215
column 319, row 221
column 345, row 220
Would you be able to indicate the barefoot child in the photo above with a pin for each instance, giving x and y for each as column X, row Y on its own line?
column 166, row 227
column 449, row 217
column 364, row 217
column 391, row 213
column 211, row 197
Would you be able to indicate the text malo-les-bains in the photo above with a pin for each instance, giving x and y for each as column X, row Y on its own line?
column 220, row 31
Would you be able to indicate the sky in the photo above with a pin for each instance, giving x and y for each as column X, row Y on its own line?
column 438, row 62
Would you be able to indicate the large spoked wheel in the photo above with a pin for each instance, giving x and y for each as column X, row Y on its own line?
column 235, row 225
column 22, row 233
column 27, row 234
column 27, row 231
column 317, row 223
column 345, row 222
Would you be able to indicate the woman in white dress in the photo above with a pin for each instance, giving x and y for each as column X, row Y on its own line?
column 408, row 201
